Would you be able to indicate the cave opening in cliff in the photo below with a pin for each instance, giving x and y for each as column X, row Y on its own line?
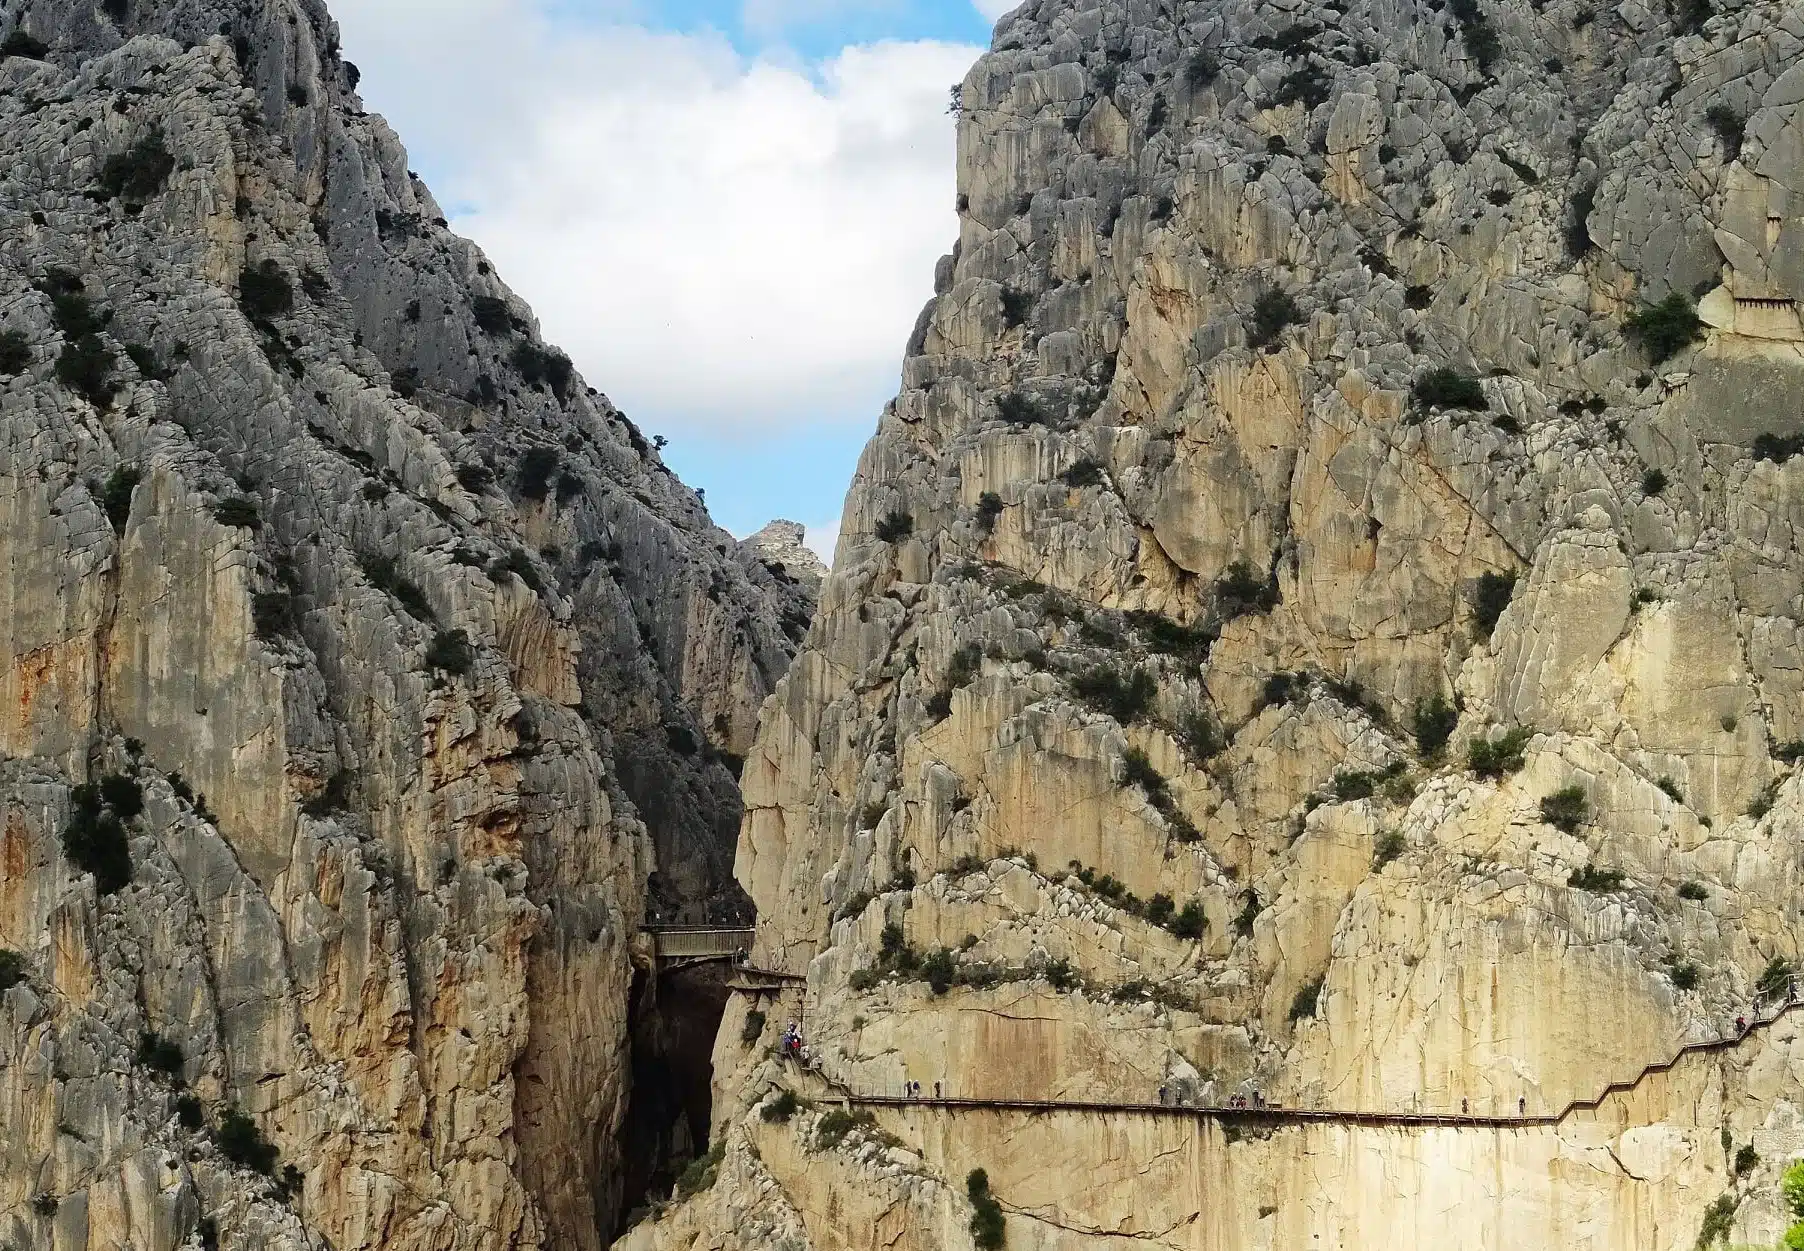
column 672, row 1019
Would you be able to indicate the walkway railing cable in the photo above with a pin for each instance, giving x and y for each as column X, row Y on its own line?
column 1268, row 1112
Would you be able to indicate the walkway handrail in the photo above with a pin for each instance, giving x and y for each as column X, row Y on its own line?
column 1345, row 1116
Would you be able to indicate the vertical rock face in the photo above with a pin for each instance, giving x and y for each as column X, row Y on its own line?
column 359, row 666
column 1320, row 620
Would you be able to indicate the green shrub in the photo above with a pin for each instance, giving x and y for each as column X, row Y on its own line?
column 964, row 667
column 95, row 840
column 1391, row 844
column 988, row 1231
column 138, row 173
column 1653, row 482
column 159, row 1053
column 238, row 511
column 450, row 652
column 116, row 496
column 1085, row 472
column 148, row 364
column 779, row 1110
column 517, row 563
column 188, row 1112
column 701, row 1171
column 1663, row 329
column 385, row 576
column 989, row 507
column 45, row 1205
column 1490, row 597
column 1279, row 688
column 1019, row 409
column 264, row 291
column 1200, row 736
column 1791, row 1185
column 241, row 1141
column 1351, row 784
column 1719, row 1217
column 1745, row 1159
column 753, row 1029
column 1125, row 697
column 1592, row 878
column 1730, row 127
column 1249, row 913
column 542, row 365
column 1240, row 590
column 533, row 477
column 1442, row 387
column 1684, row 975
column 1308, row 83
column 1433, row 723
column 835, row 1125
column 1201, row 70
column 939, row 969
column 1273, row 310
column 1304, row 1005
column 1160, row 909
column 1693, row 891
column 1017, row 306
column 12, row 969
column 272, row 614
column 85, row 366
column 1480, row 37
column 1493, row 758
column 894, row 526
column 1566, row 809
column 334, row 796
column 492, row 315
column 15, row 352
column 1775, row 979
column 1777, row 448
column 1190, row 921
column 18, row 43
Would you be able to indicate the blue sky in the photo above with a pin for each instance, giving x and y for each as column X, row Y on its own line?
column 727, row 213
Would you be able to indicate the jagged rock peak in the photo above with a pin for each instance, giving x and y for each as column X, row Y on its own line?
column 785, row 543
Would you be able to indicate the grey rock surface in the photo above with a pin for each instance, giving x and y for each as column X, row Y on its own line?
column 433, row 678
column 1291, row 433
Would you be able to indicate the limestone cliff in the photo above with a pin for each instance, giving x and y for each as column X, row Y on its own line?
column 359, row 669
column 1320, row 623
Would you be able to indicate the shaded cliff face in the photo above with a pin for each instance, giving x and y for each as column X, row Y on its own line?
column 1321, row 618
column 359, row 664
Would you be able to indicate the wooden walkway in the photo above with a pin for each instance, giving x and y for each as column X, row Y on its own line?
column 1339, row 1116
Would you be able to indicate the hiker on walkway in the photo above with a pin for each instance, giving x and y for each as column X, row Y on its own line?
column 936, row 1090
column 1741, row 1025
column 1521, row 1105
column 1464, row 1108
column 1161, row 1096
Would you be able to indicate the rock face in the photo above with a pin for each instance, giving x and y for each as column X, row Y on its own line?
column 1321, row 619
column 359, row 666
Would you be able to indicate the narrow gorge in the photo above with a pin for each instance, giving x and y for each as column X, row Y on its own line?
column 1298, row 748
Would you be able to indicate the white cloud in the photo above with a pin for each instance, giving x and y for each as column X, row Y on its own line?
column 716, row 240
column 994, row 9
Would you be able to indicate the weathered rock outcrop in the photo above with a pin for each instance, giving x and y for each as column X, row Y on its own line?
column 1321, row 619
column 416, row 659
